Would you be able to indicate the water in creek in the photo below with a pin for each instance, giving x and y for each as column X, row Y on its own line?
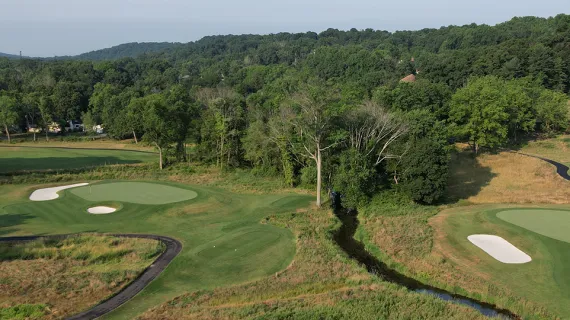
column 355, row 249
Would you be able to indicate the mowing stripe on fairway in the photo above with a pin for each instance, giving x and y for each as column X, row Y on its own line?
column 134, row 192
column 551, row 223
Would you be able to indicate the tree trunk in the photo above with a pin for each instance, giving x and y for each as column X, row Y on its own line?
column 135, row 136
column 7, row 133
column 34, row 135
column 319, row 178
column 159, row 156
column 222, row 154
column 47, row 138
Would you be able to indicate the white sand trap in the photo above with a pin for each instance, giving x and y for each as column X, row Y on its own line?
column 101, row 210
column 51, row 193
column 499, row 248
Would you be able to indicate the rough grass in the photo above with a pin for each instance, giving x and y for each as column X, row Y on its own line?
column 506, row 178
column 411, row 245
column 555, row 148
column 544, row 281
column 51, row 279
column 321, row 283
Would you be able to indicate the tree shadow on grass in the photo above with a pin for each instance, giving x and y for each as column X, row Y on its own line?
column 15, row 165
column 466, row 177
column 9, row 221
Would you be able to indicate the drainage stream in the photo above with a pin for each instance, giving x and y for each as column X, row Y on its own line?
column 344, row 237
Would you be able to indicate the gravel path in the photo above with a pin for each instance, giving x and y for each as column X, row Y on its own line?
column 173, row 248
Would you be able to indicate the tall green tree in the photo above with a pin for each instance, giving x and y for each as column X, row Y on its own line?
column 479, row 113
column 223, row 122
column 552, row 111
column 157, row 125
column 8, row 114
column 424, row 168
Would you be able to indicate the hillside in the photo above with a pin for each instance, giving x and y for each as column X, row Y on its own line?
column 126, row 50
column 9, row 56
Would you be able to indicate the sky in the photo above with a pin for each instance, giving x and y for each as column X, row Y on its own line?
column 46, row 28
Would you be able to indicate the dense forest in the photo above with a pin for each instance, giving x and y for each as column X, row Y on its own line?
column 326, row 110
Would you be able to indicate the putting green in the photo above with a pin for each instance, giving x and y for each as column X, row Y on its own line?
column 539, row 232
column 551, row 223
column 134, row 192
column 224, row 242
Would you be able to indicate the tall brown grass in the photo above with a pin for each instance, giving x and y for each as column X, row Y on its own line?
column 72, row 274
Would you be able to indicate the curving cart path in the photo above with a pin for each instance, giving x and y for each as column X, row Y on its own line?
column 173, row 248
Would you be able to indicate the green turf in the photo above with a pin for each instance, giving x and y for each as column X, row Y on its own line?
column 551, row 223
column 30, row 158
column 224, row 239
column 134, row 192
column 544, row 280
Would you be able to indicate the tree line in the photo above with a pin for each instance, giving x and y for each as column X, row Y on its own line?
column 325, row 110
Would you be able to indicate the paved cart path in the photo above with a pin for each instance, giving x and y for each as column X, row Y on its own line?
column 173, row 248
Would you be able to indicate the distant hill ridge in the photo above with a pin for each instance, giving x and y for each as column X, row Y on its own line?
column 125, row 50
column 132, row 50
column 7, row 55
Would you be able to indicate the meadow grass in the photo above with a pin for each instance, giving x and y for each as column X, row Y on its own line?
column 52, row 279
column 505, row 177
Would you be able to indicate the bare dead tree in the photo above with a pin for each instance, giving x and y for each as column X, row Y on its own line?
column 372, row 130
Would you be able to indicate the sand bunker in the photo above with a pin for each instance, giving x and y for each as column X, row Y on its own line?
column 51, row 193
column 499, row 248
column 101, row 210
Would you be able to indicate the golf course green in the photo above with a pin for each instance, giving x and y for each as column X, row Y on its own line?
column 224, row 241
column 14, row 159
column 135, row 192
column 551, row 223
column 542, row 233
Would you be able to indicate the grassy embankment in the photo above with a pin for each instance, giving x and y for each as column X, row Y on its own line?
column 52, row 279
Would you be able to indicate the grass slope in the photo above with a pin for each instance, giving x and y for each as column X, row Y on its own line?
column 52, row 279
column 544, row 280
column 224, row 241
column 13, row 159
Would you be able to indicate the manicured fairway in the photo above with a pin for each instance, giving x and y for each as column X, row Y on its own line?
column 223, row 237
column 538, row 232
column 29, row 158
column 134, row 192
column 551, row 223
